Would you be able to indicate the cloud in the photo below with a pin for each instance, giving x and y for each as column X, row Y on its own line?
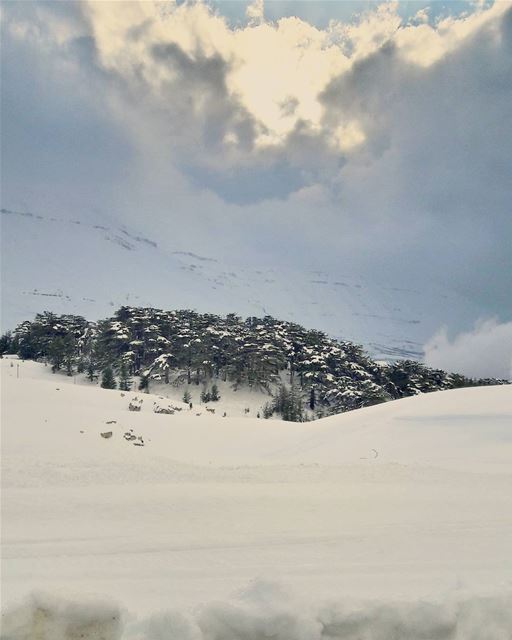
column 216, row 98
column 255, row 12
column 484, row 352
column 434, row 161
column 379, row 144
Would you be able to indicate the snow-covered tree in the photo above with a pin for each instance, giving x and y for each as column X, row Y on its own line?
column 183, row 347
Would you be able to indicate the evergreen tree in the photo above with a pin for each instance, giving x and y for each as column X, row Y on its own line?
column 108, row 380
column 91, row 370
column 214, row 393
column 312, row 399
column 185, row 346
column 125, row 380
column 372, row 393
column 268, row 410
column 205, row 395
column 28, row 349
column 288, row 402
column 144, row 383
column 69, row 352
column 6, row 343
column 187, row 398
column 56, row 351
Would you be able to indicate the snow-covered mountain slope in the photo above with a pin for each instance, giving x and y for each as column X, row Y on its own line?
column 96, row 267
column 253, row 528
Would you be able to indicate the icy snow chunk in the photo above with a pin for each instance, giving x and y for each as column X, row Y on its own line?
column 42, row 617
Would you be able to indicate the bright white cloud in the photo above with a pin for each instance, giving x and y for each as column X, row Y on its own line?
column 255, row 12
column 486, row 351
column 424, row 44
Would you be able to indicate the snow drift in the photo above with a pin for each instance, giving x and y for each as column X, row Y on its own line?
column 389, row 523
column 266, row 612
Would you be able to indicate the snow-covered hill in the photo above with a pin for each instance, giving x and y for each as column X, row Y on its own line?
column 244, row 528
column 98, row 266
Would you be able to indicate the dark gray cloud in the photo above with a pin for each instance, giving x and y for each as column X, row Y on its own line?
column 59, row 146
column 248, row 185
column 437, row 160
column 198, row 113
column 197, row 99
column 208, row 133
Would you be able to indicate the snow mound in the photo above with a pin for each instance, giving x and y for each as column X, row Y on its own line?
column 44, row 617
column 395, row 506
column 464, row 429
column 266, row 611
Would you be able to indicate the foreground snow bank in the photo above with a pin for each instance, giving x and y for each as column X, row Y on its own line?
column 265, row 611
column 47, row 618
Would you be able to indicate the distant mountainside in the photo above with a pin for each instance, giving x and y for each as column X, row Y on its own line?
column 305, row 373
column 97, row 266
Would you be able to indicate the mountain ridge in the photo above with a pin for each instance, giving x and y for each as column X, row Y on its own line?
column 99, row 265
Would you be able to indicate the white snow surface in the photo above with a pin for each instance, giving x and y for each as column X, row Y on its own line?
column 100, row 267
column 388, row 523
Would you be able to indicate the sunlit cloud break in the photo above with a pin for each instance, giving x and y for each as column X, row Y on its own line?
column 248, row 90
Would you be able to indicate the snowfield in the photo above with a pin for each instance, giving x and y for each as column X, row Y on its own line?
column 381, row 313
column 388, row 523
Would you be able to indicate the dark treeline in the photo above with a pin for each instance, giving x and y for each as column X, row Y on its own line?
column 305, row 372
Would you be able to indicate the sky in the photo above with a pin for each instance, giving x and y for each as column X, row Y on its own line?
column 363, row 135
